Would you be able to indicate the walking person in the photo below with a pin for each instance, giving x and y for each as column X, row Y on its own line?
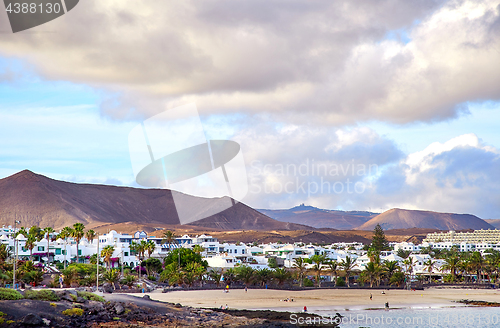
column 371, row 296
column 61, row 280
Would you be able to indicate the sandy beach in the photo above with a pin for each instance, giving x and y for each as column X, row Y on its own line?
column 326, row 299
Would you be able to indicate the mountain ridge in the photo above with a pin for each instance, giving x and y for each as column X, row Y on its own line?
column 397, row 218
column 38, row 200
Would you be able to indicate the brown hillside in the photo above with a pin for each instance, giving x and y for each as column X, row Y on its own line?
column 405, row 219
column 37, row 200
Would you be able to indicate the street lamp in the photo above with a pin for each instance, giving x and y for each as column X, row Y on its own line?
column 15, row 254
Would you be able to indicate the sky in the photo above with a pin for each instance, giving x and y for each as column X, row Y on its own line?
column 353, row 106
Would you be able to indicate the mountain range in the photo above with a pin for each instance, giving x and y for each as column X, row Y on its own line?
column 320, row 218
column 38, row 200
column 392, row 219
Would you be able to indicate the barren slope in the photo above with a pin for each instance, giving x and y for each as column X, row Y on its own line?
column 404, row 219
column 37, row 200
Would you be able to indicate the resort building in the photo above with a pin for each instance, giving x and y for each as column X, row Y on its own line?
column 474, row 237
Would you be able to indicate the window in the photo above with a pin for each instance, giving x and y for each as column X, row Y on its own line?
column 63, row 252
column 79, row 252
column 58, row 251
column 24, row 249
column 125, row 253
column 41, row 248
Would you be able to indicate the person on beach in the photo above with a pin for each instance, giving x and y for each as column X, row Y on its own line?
column 305, row 308
column 371, row 296
column 61, row 280
column 246, row 289
column 387, row 305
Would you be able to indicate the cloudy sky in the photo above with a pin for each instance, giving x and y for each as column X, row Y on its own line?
column 364, row 105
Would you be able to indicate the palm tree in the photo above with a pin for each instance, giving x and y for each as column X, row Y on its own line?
column 451, row 264
column 397, row 278
column 300, row 265
column 169, row 237
column 35, row 234
column 150, row 247
column 111, row 276
column 263, row 276
column 66, row 232
column 4, row 253
column 47, row 231
column 390, row 267
column 215, row 275
column 90, row 235
column 107, row 253
column 30, row 244
column 409, row 263
column 77, row 233
column 198, row 249
column 429, row 266
column 333, row 266
column 404, row 254
column 245, row 274
column 318, row 261
column 477, row 262
column 465, row 266
column 371, row 271
column 139, row 249
column 347, row 266
column 229, row 276
column 281, row 275
column 196, row 271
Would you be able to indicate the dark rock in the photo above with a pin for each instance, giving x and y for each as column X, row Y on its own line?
column 80, row 300
column 177, row 305
column 125, row 287
column 32, row 320
column 94, row 307
column 146, row 297
column 107, row 288
column 65, row 295
column 119, row 309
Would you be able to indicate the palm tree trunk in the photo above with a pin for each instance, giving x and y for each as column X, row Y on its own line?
column 48, row 247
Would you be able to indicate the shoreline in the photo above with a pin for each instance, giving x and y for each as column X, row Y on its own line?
column 328, row 300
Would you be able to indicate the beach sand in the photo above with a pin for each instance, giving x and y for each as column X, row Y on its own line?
column 326, row 299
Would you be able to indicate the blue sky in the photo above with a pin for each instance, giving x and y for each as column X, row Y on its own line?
column 413, row 93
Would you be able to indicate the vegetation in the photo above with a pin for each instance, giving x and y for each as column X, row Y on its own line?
column 41, row 295
column 73, row 312
column 10, row 294
column 90, row 296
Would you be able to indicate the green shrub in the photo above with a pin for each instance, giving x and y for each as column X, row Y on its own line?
column 90, row 296
column 73, row 312
column 340, row 282
column 2, row 314
column 2, row 320
column 10, row 322
column 10, row 294
column 41, row 295
column 308, row 283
